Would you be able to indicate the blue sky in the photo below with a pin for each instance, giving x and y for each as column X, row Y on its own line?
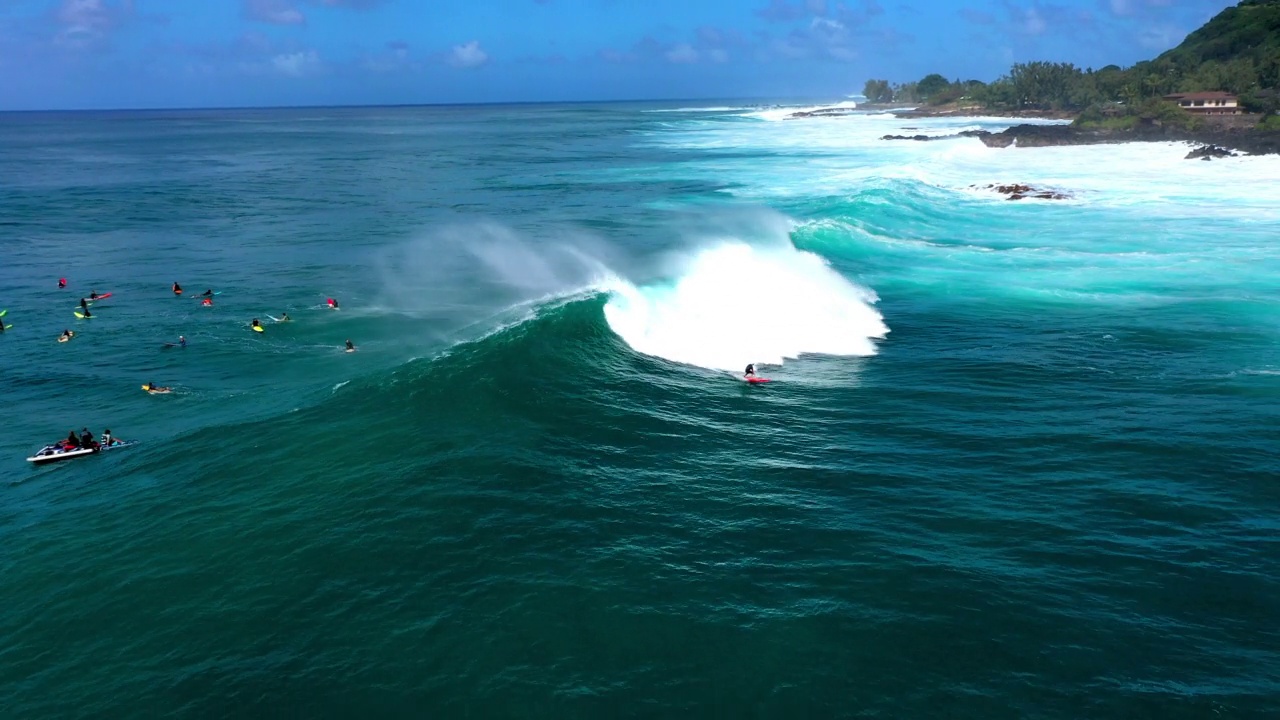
column 201, row 53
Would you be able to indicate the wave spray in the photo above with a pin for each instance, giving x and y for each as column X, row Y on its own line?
column 735, row 304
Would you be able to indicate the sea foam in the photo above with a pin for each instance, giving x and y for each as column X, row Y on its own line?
column 735, row 303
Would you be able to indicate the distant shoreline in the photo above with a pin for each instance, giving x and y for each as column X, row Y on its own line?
column 908, row 110
column 1229, row 135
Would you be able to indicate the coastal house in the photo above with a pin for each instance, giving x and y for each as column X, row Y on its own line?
column 1207, row 103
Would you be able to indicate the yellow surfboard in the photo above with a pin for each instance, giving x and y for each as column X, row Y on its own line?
column 258, row 328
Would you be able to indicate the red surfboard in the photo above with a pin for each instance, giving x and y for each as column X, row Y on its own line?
column 757, row 380
column 100, row 297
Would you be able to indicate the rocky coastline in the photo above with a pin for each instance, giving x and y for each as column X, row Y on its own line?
column 1230, row 133
column 1247, row 141
column 1213, row 142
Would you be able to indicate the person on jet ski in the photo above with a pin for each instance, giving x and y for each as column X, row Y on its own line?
column 72, row 441
column 750, row 371
column 86, row 439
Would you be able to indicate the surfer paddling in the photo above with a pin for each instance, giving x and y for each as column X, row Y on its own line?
column 750, row 372
column 177, row 289
column 350, row 347
column 333, row 303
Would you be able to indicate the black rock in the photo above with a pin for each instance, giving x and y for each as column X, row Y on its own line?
column 1209, row 152
column 1021, row 192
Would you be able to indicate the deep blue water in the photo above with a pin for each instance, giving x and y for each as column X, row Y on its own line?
column 1017, row 459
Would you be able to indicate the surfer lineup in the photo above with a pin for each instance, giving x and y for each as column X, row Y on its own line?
column 84, row 444
column 75, row 446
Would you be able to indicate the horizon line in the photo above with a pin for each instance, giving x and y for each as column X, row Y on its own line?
column 406, row 105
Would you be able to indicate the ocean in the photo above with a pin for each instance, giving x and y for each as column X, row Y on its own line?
column 1017, row 459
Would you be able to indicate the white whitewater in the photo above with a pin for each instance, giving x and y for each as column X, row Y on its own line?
column 736, row 304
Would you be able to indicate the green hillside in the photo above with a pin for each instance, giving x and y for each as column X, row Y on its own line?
column 1250, row 31
column 1237, row 51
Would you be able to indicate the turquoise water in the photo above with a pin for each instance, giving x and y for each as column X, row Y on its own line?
column 1018, row 459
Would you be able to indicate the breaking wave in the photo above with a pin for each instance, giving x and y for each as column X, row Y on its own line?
column 735, row 303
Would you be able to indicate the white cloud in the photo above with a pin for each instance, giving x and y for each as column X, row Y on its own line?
column 88, row 22
column 682, row 54
column 468, row 55
column 1033, row 22
column 275, row 12
column 828, row 26
column 86, row 15
column 296, row 64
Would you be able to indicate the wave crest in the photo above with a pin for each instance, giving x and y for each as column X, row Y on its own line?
column 735, row 304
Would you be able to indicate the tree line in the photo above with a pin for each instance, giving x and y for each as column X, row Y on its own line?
column 1065, row 87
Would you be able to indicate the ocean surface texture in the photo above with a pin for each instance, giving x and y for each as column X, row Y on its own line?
column 1018, row 459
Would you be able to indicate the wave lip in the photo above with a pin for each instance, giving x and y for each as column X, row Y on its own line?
column 736, row 304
